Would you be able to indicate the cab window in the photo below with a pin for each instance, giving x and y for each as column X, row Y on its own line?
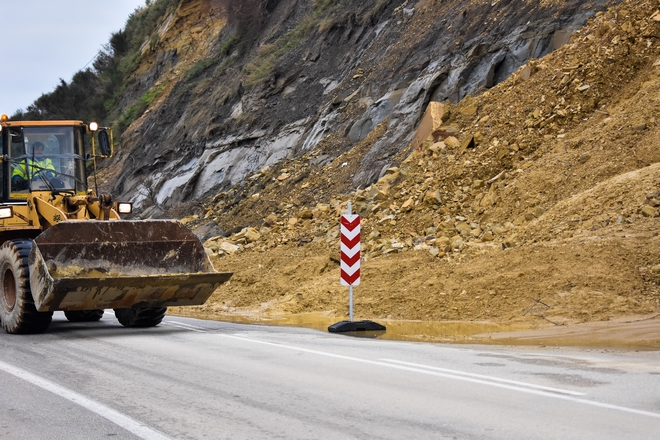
column 45, row 158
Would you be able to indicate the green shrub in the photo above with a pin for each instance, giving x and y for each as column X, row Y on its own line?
column 138, row 107
column 227, row 45
column 268, row 55
column 199, row 67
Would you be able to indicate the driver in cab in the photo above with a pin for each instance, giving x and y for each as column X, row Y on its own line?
column 37, row 166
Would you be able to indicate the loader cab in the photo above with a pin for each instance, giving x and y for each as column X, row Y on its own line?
column 42, row 156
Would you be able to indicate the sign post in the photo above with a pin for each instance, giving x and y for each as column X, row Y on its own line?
column 350, row 271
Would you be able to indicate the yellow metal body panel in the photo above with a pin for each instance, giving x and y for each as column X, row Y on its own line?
column 42, row 210
column 24, row 218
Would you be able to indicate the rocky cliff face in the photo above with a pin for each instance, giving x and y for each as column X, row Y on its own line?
column 319, row 78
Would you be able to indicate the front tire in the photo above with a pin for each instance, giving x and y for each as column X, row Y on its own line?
column 138, row 316
column 84, row 315
column 18, row 313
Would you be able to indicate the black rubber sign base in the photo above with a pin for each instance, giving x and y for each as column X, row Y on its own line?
column 355, row 326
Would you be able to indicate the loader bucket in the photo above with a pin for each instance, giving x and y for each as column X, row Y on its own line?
column 84, row 265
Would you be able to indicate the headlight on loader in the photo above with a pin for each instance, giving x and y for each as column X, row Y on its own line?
column 124, row 207
column 6, row 212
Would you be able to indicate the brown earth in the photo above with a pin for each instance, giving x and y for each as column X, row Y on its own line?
column 544, row 212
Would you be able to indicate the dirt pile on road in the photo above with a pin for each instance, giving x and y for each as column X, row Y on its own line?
column 534, row 201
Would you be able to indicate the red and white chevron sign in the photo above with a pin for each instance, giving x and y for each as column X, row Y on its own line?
column 350, row 250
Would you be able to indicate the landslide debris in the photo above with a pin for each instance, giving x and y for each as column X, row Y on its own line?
column 535, row 201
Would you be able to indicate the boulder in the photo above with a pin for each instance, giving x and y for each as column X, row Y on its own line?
column 525, row 73
column 463, row 228
column 452, row 142
column 457, row 242
column 649, row 211
column 407, row 205
column 433, row 198
column 433, row 118
column 487, row 237
column 227, row 247
column 208, row 230
column 437, row 147
column 252, row 235
column 443, row 241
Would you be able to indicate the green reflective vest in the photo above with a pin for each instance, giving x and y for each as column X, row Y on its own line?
column 36, row 166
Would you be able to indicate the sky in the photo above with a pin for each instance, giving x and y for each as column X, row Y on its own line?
column 45, row 40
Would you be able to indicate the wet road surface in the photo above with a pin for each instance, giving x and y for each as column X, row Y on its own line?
column 194, row 379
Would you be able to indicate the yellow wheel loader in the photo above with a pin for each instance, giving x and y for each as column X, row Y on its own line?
column 64, row 247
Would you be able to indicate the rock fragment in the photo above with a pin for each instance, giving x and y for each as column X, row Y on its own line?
column 436, row 113
column 452, row 142
column 649, row 211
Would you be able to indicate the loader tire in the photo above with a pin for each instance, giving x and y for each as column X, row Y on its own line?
column 140, row 316
column 84, row 315
column 17, row 311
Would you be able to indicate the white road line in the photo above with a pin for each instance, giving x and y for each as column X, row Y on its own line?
column 491, row 378
column 185, row 326
column 119, row 419
column 177, row 324
column 452, row 376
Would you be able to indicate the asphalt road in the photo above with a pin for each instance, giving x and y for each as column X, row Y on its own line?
column 192, row 379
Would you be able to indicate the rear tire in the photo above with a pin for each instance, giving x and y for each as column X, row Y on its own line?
column 17, row 311
column 138, row 316
column 84, row 315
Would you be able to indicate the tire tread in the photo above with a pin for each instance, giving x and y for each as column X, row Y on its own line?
column 29, row 320
column 137, row 316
